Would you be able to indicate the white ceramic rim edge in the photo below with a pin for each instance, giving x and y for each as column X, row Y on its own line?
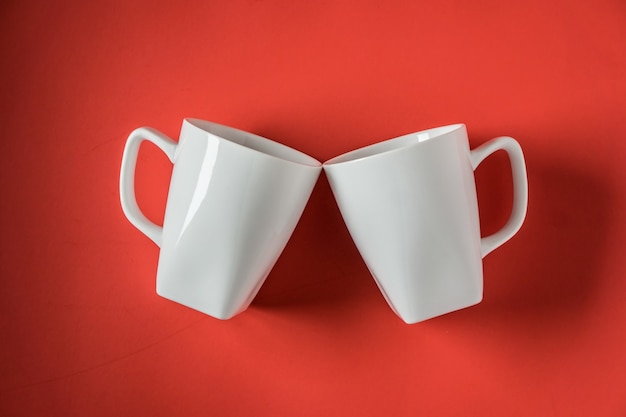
column 295, row 156
column 393, row 145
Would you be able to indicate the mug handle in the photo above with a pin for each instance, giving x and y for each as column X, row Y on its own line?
column 520, row 188
column 127, row 178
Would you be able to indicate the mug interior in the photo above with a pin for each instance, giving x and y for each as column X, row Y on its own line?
column 393, row 144
column 255, row 142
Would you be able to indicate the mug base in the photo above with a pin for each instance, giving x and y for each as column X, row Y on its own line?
column 417, row 317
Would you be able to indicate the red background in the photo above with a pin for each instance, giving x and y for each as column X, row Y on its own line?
column 83, row 332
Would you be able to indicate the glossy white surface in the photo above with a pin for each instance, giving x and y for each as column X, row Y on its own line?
column 234, row 201
column 410, row 206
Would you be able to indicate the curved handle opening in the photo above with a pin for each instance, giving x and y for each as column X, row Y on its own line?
column 127, row 178
column 520, row 189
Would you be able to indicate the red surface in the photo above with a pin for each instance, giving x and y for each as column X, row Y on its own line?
column 83, row 332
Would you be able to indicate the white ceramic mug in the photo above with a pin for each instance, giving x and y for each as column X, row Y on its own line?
column 233, row 202
column 410, row 206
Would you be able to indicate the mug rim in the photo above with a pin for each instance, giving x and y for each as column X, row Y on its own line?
column 260, row 144
column 395, row 144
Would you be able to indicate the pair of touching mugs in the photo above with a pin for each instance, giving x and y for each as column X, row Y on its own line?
column 235, row 198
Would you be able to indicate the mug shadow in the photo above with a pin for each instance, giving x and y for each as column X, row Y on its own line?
column 545, row 276
column 552, row 264
column 320, row 269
